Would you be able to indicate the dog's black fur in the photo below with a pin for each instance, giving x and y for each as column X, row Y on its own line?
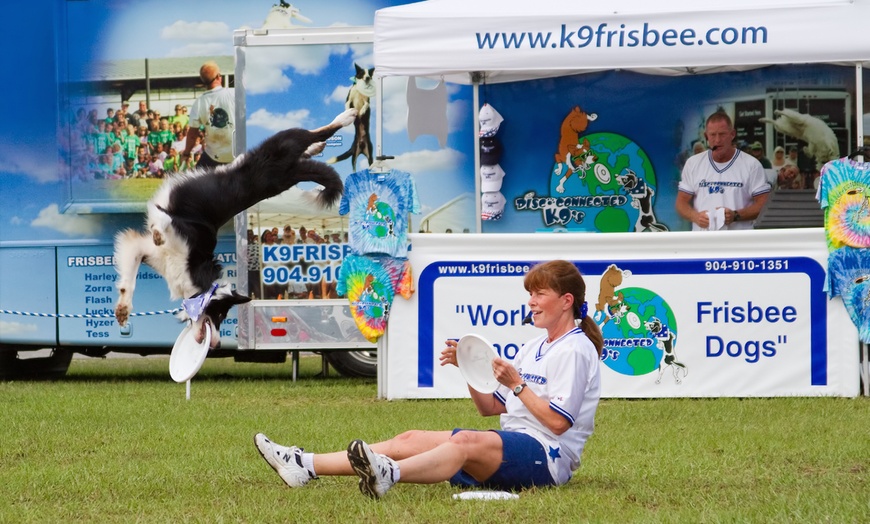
column 185, row 214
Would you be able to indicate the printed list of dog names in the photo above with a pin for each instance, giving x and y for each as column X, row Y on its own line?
column 90, row 290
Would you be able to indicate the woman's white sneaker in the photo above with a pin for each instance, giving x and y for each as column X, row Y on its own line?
column 287, row 462
column 377, row 473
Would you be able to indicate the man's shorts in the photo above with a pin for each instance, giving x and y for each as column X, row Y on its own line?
column 524, row 464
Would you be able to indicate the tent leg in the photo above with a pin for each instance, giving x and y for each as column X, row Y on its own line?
column 865, row 368
column 294, row 360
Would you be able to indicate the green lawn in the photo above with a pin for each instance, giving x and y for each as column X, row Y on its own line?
column 116, row 441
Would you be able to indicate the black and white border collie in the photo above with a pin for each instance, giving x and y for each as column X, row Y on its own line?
column 184, row 215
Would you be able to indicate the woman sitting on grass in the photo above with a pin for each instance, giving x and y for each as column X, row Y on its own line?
column 547, row 411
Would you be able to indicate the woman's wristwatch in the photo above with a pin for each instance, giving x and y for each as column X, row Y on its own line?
column 519, row 389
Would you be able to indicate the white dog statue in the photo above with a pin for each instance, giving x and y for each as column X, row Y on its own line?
column 822, row 143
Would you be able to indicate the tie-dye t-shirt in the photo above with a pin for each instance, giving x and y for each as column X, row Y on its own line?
column 844, row 194
column 849, row 276
column 378, row 205
column 370, row 284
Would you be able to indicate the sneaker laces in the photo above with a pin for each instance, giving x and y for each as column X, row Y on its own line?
column 290, row 453
column 296, row 454
column 386, row 468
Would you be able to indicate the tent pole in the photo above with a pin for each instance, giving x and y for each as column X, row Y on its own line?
column 859, row 105
column 475, row 89
column 379, row 130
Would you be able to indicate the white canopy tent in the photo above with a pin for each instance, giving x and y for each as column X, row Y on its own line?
column 515, row 40
column 496, row 41
column 465, row 42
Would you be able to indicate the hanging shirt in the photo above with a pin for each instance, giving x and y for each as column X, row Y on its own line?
column 844, row 194
column 370, row 284
column 378, row 205
column 849, row 276
column 427, row 111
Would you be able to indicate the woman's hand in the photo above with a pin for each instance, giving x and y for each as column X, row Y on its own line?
column 506, row 373
column 448, row 354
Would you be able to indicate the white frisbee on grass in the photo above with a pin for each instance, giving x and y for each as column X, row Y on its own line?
column 188, row 355
column 474, row 355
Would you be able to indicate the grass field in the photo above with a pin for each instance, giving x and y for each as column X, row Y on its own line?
column 116, row 441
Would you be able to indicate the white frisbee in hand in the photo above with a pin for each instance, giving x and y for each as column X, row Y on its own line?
column 188, row 355
column 474, row 355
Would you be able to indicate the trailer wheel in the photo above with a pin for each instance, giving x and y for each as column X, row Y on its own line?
column 51, row 367
column 354, row 363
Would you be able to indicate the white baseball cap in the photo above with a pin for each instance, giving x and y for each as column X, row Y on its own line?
column 492, row 205
column 489, row 120
column 491, row 178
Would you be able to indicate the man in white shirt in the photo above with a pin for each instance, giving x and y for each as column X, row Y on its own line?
column 723, row 187
column 214, row 115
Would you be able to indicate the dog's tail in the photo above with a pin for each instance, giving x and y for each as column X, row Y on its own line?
column 327, row 177
column 343, row 156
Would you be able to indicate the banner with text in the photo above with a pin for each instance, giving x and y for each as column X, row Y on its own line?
column 683, row 315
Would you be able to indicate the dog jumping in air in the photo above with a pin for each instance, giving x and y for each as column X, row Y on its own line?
column 186, row 212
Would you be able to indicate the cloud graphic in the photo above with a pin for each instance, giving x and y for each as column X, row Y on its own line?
column 198, row 38
column 32, row 162
column 266, row 66
column 276, row 122
column 264, row 72
column 201, row 49
column 72, row 225
column 196, row 31
column 419, row 162
column 339, row 94
column 16, row 328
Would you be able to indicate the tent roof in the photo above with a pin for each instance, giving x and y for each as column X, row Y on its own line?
column 514, row 40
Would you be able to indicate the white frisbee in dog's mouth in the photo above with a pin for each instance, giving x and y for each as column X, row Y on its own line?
column 474, row 355
column 188, row 355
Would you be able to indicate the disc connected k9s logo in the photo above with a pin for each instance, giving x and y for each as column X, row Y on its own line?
column 639, row 328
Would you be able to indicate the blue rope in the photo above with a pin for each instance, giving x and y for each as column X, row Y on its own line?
column 64, row 315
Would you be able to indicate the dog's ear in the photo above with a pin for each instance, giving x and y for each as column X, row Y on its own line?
column 237, row 298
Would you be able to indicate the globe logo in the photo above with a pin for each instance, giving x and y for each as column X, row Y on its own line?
column 635, row 331
column 380, row 218
column 599, row 187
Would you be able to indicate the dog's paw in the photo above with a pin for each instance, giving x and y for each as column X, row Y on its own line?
column 346, row 118
column 122, row 314
column 560, row 188
column 315, row 148
column 157, row 237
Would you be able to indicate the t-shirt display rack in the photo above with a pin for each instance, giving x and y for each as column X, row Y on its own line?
column 844, row 195
column 378, row 201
